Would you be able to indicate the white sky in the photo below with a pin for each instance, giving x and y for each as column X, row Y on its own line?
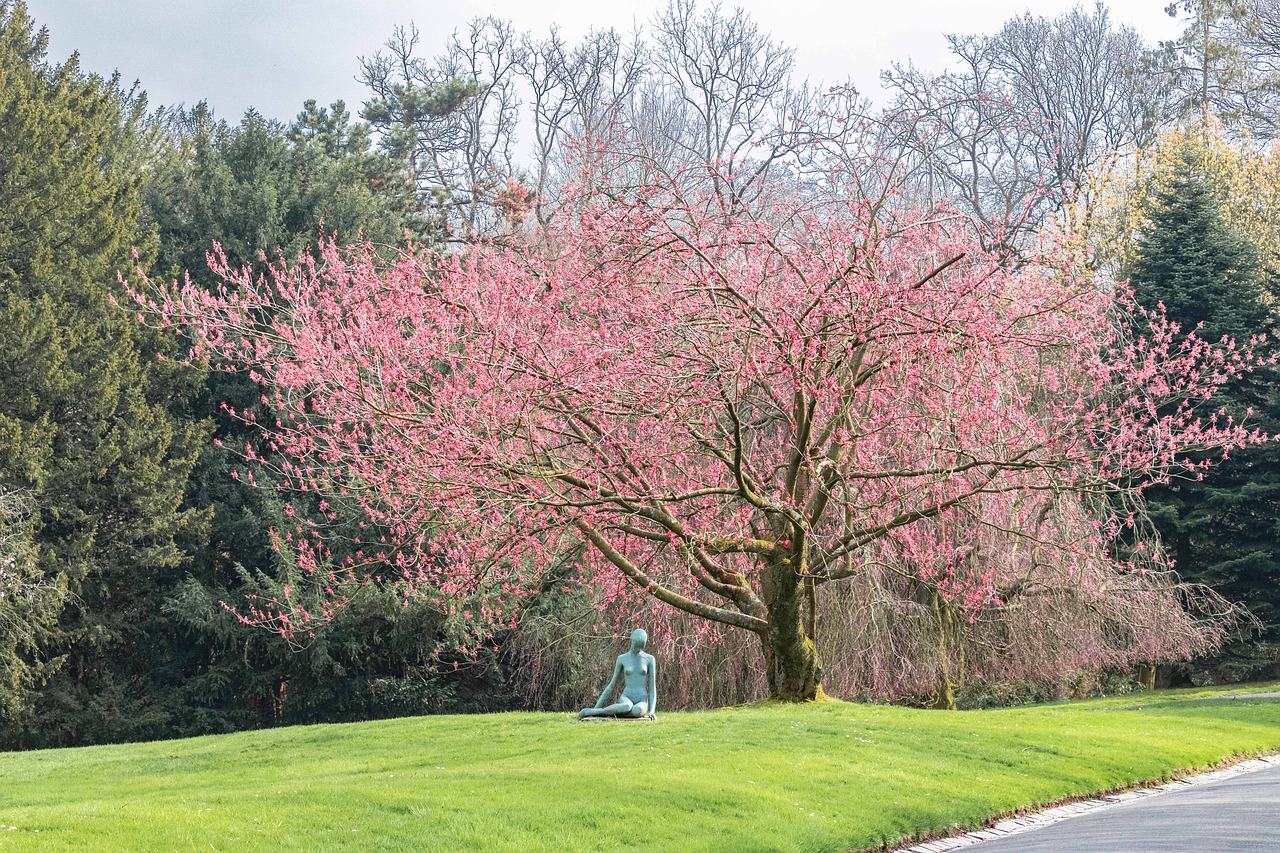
column 274, row 54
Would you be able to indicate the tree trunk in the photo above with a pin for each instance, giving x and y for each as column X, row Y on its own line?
column 791, row 658
column 944, row 617
column 945, row 698
column 1147, row 675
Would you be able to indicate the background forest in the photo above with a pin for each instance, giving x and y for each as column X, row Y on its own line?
column 139, row 511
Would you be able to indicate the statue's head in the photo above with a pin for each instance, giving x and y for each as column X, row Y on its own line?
column 639, row 638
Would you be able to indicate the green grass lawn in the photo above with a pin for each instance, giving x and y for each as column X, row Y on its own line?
column 825, row 777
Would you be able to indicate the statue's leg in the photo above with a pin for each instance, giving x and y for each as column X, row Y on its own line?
column 621, row 708
column 639, row 709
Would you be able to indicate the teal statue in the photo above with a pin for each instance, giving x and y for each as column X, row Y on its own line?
column 639, row 684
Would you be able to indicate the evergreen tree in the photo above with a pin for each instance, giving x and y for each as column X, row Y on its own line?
column 1207, row 66
column 89, row 429
column 263, row 186
column 29, row 605
column 1224, row 530
column 253, row 187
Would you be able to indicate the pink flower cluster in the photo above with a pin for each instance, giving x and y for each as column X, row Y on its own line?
column 678, row 390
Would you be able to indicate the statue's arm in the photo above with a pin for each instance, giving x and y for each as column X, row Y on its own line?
column 613, row 682
column 653, row 687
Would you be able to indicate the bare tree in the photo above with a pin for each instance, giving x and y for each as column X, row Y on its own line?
column 576, row 91
column 720, row 93
column 702, row 87
column 1035, row 111
column 1253, row 104
column 452, row 120
column 1080, row 76
column 968, row 139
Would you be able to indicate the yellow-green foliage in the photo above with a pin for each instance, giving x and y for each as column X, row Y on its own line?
column 1247, row 181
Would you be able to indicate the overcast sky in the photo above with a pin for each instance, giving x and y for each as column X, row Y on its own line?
column 274, row 54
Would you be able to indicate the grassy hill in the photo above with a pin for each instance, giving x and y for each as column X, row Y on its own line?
column 828, row 777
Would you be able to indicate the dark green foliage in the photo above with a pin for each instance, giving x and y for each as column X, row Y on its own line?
column 376, row 659
column 260, row 186
column 1191, row 260
column 253, row 187
column 88, row 433
column 29, row 606
column 106, row 434
column 408, row 112
column 1224, row 530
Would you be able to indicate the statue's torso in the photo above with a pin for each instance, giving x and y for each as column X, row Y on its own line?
column 636, row 670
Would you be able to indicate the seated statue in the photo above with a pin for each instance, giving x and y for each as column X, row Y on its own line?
column 639, row 684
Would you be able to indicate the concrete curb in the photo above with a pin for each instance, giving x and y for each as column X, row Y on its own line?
column 1015, row 825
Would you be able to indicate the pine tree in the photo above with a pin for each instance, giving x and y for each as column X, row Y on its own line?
column 254, row 187
column 89, row 403
column 1224, row 530
column 29, row 605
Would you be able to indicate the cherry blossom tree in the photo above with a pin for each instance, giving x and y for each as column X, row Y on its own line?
column 717, row 405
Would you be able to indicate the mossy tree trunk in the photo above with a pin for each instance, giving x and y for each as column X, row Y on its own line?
column 949, row 639
column 792, row 668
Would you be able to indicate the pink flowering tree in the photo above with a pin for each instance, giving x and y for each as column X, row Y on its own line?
column 714, row 404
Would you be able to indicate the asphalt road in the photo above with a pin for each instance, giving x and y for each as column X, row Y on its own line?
column 1236, row 815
